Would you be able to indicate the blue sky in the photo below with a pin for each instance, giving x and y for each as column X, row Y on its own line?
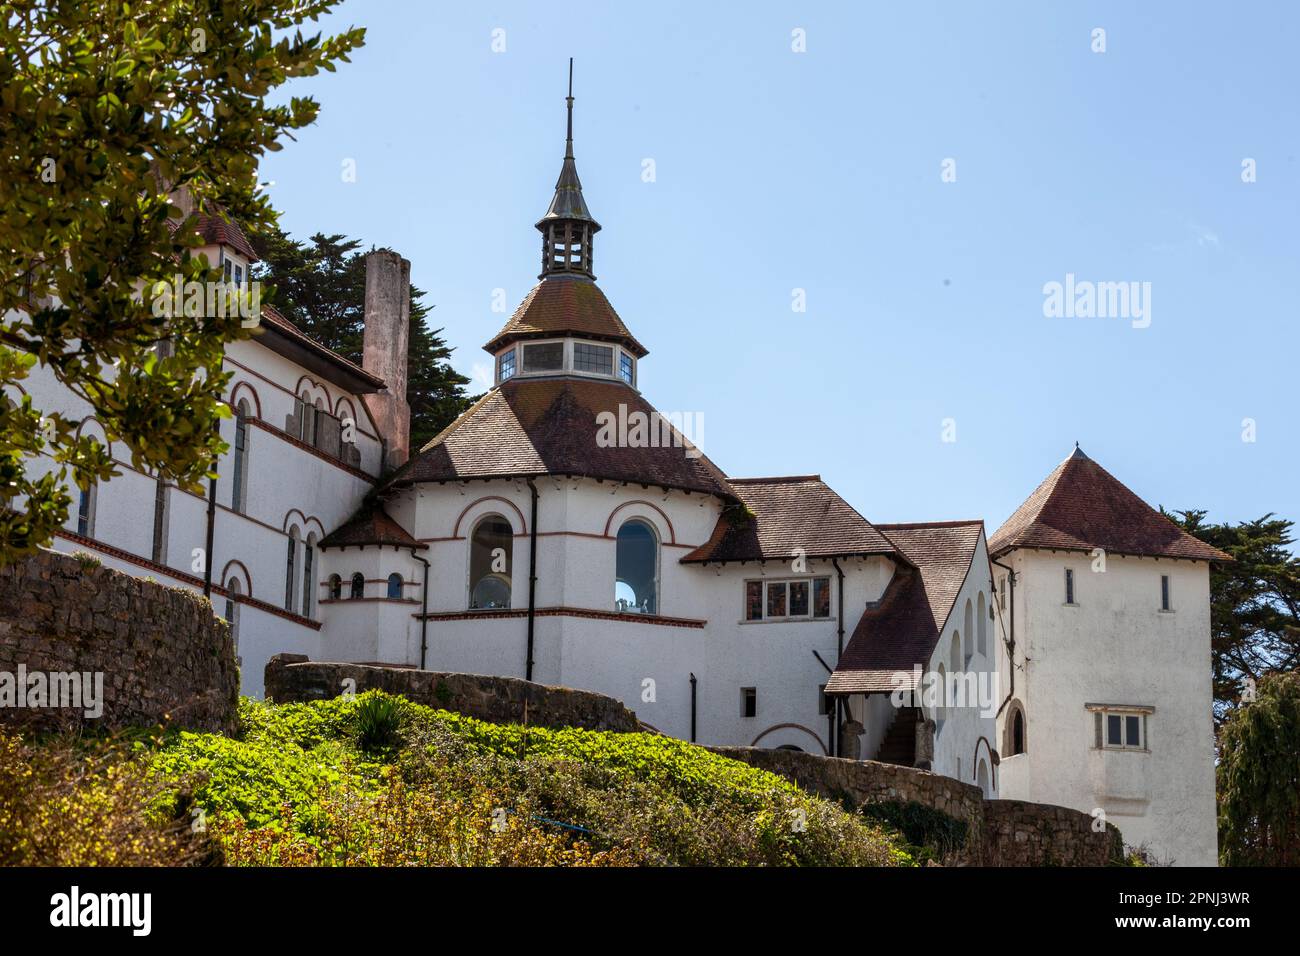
column 777, row 170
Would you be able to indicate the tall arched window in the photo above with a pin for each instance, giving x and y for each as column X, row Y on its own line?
column 954, row 654
column 232, row 610
column 982, row 779
column 358, row 587
column 86, row 511
column 636, row 569
column 982, row 624
column 969, row 631
column 941, row 705
column 308, row 572
column 394, row 585
column 290, row 562
column 336, row 587
column 158, row 552
column 1015, row 743
column 491, row 550
column 239, row 467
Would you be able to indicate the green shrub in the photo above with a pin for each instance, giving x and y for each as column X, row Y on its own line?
column 378, row 720
column 934, row 833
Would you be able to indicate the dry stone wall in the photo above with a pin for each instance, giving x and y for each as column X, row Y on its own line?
column 76, row 637
column 292, row 677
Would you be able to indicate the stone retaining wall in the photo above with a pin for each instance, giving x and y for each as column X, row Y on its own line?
column 292, row 677
column 158, row 654
column 1000, row 832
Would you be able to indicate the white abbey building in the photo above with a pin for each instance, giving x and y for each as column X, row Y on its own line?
column 533, row 538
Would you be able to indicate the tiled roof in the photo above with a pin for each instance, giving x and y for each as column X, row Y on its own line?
column 271, row 318
column 370, row 525
column 1081, row 506
column 904, row 627
column 790, row 513
column 217, row 230
column 560, row 305
column 532, row 427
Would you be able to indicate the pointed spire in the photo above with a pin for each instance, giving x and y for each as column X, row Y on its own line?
column 568, row 226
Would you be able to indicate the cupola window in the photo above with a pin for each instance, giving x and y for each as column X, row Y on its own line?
column 626, row 368
column 544, row 357
column 598, row 359
column 506, row 366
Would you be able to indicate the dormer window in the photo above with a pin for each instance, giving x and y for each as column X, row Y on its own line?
column 506, row 366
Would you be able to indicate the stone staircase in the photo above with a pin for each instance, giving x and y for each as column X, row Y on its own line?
column 899, row 744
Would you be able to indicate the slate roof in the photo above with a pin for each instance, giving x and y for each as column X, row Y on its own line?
column 789, row 513
column 548, row 426
column 370, row 525
column 1081, row 506
column 903, row 628
column 564, row 305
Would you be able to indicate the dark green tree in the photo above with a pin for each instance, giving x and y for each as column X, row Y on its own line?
column 1254, row 601
column 105, row 108
column 1259, row 776
column 320, row 286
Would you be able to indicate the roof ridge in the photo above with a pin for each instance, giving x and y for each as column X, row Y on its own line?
column 959, row 522
column 777, row 479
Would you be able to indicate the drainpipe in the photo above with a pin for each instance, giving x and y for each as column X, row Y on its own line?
column 1011, row 642
column 694, row 681
column 839, row 651
column 424, row 609
column 210, row 531
column 532, row 581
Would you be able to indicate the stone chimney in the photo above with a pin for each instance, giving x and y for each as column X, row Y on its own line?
column 388, row 312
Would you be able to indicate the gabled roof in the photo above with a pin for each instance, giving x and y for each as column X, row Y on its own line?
column 283, row 337
column 370, row 525
column 1081, row 506
column 903, row 628
column 566, row 305
column 218, row 230
column 548, row 426
column 790, row 513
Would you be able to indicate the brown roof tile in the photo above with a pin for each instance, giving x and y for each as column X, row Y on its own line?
column 370, row 525
column 1081, row 506
column 789, row 513
column 903, row 628
column 532, row 427
column 560, row 305
column 217, row 230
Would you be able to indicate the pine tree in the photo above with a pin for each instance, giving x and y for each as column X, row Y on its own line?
column 1254, row 601
column 320, row 286
column 1259, row 777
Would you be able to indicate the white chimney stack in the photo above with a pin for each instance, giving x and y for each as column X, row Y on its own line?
column 387, row 332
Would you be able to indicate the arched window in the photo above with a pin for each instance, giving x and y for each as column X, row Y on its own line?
column 290, row 563
column 358, row 587
column 86, row 511
column 232, row 610
column 336, row 587
column 636, row 569
column 491, row 550
column 239, row 467
column 308, row 572
column 982, row 779
column 1015, row 730
column 941, row 703
column 954, row 654
column 969, row 631
column 982, row 625
column 394, row 585
column 158, row 552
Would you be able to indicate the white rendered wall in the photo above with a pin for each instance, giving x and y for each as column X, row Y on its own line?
column 1117, row 647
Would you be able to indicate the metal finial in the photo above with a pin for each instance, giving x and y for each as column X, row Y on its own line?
column 568, row 142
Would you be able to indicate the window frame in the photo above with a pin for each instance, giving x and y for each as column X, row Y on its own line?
column 523, row 357
column 513, row 356
column 1070, row 595
column 657, row 541
column 1127, row 715
column 810, row 582
column 748, row 703
column 1166, row 594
